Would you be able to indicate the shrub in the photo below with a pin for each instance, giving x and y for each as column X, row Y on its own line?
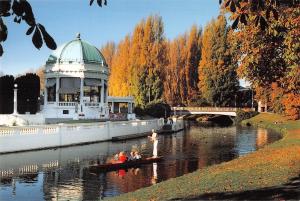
column 158, row 110
column 139, row 111
column 200, row 102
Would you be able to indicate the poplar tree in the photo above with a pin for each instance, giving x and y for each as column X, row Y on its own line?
column 135, row 60
column 153, row 58
column 193, row 50
column 120, row 68
column 217, row 77
column 175, row 84
column 109, row 51
column 137, row 67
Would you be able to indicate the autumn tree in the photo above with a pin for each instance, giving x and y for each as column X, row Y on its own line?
column 109, row 51
column 217, row 76
column 193, row 51
column 184, row 53
column 153, row 59
column 137, row 67
column 119, row 71
column 175, row 88
column 256, row 12
column 270, row 58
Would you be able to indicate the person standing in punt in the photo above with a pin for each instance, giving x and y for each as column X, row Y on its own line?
column 154, row 140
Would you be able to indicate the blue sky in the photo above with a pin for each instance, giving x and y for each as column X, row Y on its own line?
column 64, row 18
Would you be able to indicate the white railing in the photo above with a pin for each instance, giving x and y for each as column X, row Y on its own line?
column 92, row 104
column 210, row 109
column 205, row 109
column 67, row 103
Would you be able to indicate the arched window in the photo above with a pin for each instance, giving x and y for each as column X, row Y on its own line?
column 51, row 89
column 92, row 89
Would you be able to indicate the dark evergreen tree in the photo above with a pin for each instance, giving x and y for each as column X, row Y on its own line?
column 28, row 93
column 6, row 94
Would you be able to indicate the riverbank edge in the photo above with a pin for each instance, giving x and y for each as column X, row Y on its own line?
column 248, row 172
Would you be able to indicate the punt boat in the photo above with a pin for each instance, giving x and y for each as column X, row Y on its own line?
column 128, row 164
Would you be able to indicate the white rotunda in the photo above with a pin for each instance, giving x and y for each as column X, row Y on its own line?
column 76, row 77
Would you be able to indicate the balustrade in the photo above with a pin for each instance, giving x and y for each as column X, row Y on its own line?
column 67, row 103
column 92, row 104
column 231, row 111
column 207, row 109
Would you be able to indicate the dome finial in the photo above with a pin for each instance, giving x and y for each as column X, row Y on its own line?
column 78, row 35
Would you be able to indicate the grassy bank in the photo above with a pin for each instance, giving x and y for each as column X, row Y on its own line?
column 271, row 166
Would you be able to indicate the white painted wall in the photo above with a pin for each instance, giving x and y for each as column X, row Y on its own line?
column 24, row 138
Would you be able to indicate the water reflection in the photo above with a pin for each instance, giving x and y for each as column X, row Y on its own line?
column 63, row 174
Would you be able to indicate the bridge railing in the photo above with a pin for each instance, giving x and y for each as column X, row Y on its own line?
column 210, row 109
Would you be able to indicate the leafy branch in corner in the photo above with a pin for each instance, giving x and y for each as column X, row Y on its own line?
column 263, row 11
column 21, row 10
column 99, row 2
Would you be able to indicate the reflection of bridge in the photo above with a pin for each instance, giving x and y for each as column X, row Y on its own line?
column 228, row 111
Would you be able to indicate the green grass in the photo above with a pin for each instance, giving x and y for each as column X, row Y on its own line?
column 273, row 165
column 267, row 120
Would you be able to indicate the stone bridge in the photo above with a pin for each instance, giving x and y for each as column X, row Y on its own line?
column 228, row 111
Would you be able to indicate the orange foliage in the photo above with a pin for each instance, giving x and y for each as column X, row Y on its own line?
column 119, row 75
column 291, row 101
column 108, row 52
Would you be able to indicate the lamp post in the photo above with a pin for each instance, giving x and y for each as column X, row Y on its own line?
column 15, row 98
column 251, row 99
column 149, row 94
column 39, row 104
column 76, row 105
column 28, row 110
column 235, row 100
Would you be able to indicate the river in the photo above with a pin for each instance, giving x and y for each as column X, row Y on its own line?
column 63, row 174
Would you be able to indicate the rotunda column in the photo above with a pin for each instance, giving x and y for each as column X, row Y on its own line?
column 130, row 108
column 112, row 107
column 45, row 93
column 102, row 92
column 81, row 90
column 106, row 94
column 57, row 88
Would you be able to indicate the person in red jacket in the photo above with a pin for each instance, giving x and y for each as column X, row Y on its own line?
column 122, row 157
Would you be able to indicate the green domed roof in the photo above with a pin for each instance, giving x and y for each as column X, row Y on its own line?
column 76, row 51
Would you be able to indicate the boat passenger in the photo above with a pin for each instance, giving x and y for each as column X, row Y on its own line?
column 131, row 156
column 113, row 159
column 137, row 156
column 122, row 157
column 116, row 157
